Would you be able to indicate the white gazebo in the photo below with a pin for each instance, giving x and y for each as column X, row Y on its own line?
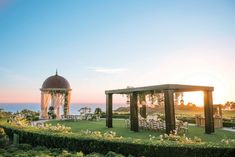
column 55, row 92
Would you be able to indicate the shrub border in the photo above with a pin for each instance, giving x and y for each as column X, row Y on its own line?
column 89, row 145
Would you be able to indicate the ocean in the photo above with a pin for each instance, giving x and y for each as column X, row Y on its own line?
column 14, row 107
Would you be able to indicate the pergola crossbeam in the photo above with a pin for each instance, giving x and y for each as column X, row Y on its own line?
column 160, row 88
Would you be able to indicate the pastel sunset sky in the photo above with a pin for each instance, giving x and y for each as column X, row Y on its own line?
column 99, row 45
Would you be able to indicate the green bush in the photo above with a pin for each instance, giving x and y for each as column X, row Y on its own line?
column 187, row 119
column 30, row 115
column 25, row 146
column 4, row 140
column 117, row 115
column 88, row 145
column 228, row 124
column 26, row 150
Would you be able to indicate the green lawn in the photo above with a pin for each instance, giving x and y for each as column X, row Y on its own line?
column 119, row 128
column 191, row 113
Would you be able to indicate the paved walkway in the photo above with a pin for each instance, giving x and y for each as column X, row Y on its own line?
column 228, row 129
column 34, row 123
column 224, row 128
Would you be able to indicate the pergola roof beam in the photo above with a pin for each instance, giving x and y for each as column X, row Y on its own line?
column 161, row 88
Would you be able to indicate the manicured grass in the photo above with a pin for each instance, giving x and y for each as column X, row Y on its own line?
column 190, row 113
column 121, row 130
column 226, row 114
column 118, row 127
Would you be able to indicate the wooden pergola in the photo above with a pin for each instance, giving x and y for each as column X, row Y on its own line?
column 168, row 90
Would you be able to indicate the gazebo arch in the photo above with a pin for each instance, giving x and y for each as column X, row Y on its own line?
column 168, row 90
column 55, row 92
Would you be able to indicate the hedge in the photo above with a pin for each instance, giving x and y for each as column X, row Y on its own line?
column 228, row 124
column 89, row 145
column 116, row 115
column 187, row 119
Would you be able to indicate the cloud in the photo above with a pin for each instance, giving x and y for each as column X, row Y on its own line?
column 107, row 70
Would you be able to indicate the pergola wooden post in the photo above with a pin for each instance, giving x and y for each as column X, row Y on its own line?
column 142, row 102
column 208, row 111
column 168, row 90
column 109, row 110
column 134, row 112
column 144, row 113
column 169, row 110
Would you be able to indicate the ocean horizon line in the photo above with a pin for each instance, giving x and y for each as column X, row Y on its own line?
column 36, row 103
column 16, row 107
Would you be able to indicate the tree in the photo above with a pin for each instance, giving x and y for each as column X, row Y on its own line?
column 30, row 115
column 98, row 111
column 84, row 110
column 233, row 106
column 229, row 105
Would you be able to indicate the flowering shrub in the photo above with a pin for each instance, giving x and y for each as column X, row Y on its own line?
column 91, row 133
column 2, row 132
column 110, row 134
column 18, row 120
column 55, row 128
column 228, row 141
column 107, row 135
column 173, row 136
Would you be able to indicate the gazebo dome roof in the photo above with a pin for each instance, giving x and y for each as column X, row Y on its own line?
column 56, row 81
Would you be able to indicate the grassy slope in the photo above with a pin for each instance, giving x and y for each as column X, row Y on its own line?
column 119, row 128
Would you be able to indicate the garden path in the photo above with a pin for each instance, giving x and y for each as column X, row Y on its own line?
column 34, row 123
column 228, row 129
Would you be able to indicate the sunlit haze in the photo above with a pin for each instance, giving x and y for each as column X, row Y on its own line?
column 100, row 45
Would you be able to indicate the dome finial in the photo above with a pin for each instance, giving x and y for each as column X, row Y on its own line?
column 56, row 73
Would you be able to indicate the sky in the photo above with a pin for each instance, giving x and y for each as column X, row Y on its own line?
column 100, row 45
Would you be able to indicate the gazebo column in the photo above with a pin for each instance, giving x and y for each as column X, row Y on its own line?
column 134, row 112
column 208, row 111
column 169, row 110
column 42, row 116
column 69, row 101
column 109, row 110
column 44, row 105
column 58, row 105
